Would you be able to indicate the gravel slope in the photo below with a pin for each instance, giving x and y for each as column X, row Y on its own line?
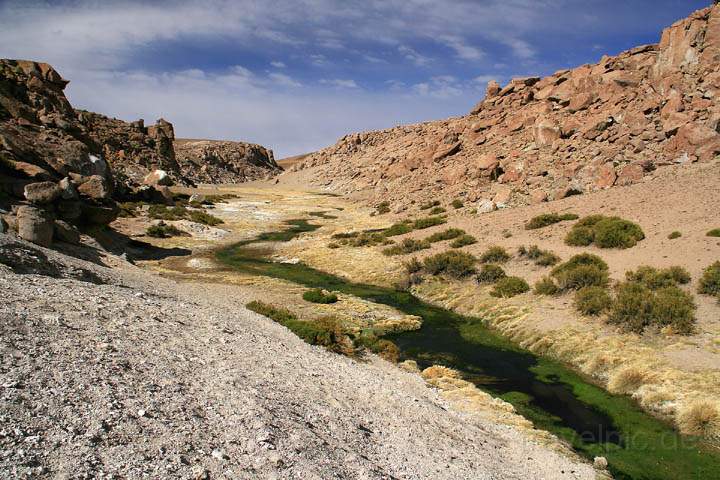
column 134, row 376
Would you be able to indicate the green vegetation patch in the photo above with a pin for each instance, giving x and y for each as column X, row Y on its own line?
column 408, row 245
column 710, row 280
column 654, row 278
column 463, row 241
column 604, row 232
column 495, row 254
column 713, row 233
column 674, row 235
column 162, row 230
column 427, row 222
column 400, row 228
column 637, row 307
column 546, row 286
column 583, row 270
column 592, row 300
column 449, row 234
column 540, row 257
column 457, row 204
column 490, row 273
column 509, row 287
column 547, row 219
column 429, row 205
column 382, row 208
column 453, row 263
column 437, row 210
column 180, row 212
column 317, row 295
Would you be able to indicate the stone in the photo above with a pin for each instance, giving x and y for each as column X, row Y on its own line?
column 42, row 192
column 95, row 187
column 546, row 131
column 605, row 176
column 67, row 189
column 487, row 162
column 444, row 151
column 582, row 101
column 486, row 206
column 492, row 90
column 99, row 214
column 196, row 198
column 35, row 225
column 157, row 177
column 69, row 210
column 538, row 196
column 503, row 195
column 66, row 232
column 600, row 463
column 631, row 173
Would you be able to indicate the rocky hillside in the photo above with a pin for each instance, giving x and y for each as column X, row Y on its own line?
column 537, row 139
column 212, row 161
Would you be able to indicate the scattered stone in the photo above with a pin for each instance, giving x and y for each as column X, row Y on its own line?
column 35, row 225
column 42, row 192
column 95, row 188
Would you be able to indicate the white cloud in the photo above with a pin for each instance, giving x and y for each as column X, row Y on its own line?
column 462, row 49
column 278, row 64
column 412, row 55
column 441, row 87
column 284, row 80
column 340, row 83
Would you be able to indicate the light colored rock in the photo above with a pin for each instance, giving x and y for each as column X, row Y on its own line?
column 42, row 192
column 35, row 225
column 95, row 188
column 158, row 177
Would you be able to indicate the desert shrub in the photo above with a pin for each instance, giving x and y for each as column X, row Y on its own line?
column 345, row 235
column 674, row 308
column 362, row 239
column 162, row 230
column 400, row 228
column 654, row 278
column 437, row 210
column 387, row 350
column 163, row 212
column 408, row 245
column 627, row 380
column 413, row 265
column 674, row 235
column 580, row 236
column 539, row 257
column 205, row 218
column 616, row 232
column 546, row 286
column 509, row 287
column 715, row 232
column 316, row 295
column 448, row 234
column 583, row 270
column 463, row 241
column 382, row 208
column 710, row 280
column 427, row 222
column 548, row 219
column 128, row 209
column 333, row 245
column 592, row 300
column 700, row 417
column 454, row 263
column 457, row 203
column 429, row 205
column 495, row 254
column 490, row 273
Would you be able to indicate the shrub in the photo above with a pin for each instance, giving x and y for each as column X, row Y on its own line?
column 428, row 222
column 583, row 270
column 490, row 273
column 453, row 263
column 714, row 232
column 637, row 307
column 509, row 287
column 457, row 204
column 398, row 229
column 437, row 211
column 463, row 241
column 605, row 232
column 674, row 308
column 548, row 219
column 592, row 300
column 162, row 230
column 199, row 216
column 701, row 418
column 413, row 265
column 316, row 295
column 128, row 209
column 333, row 245
column 495, row 254
column 632, row 308
column 710, row 280
column 546, row 286
column 654, row 278
column 163, row 212
column 674, row 235
column 429, row 205
column 540, row 257
column 448, row 234
column 408, row 245
column 382, row 208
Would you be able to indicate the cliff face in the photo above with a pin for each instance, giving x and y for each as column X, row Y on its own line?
column 536, row 139
column 211, row 161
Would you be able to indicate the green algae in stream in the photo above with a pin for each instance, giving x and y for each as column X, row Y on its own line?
column 593, row 421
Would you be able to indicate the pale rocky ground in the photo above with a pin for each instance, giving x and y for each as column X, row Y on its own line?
column 131, row 375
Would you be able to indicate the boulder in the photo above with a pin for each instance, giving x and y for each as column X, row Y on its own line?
column 492, row 90
column 35, row 225
column 631, row 173
column 538, row 196
column 67, row 233
column 69, row 210
column 446, row 151
column 605, row 176
column 42, row 192
column 582, row 101
column 486, row 206
column 546, row 131
column 158, row 177
column 95, row 187
column 67, row 189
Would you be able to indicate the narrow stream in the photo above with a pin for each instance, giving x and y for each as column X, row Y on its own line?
column 556, row 399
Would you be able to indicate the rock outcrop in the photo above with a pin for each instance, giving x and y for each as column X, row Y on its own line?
column 212, row 161
column 575, row 131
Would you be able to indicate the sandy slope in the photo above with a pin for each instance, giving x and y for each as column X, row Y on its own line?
column 136, row 376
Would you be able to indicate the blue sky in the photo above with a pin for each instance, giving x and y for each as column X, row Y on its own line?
column 297, row 75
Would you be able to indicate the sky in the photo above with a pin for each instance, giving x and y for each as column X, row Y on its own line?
column 296, row 75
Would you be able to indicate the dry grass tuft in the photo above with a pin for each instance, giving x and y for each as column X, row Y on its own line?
column 628, row 380
column 701, row 417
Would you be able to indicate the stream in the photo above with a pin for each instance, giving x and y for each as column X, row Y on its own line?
column 554, row 397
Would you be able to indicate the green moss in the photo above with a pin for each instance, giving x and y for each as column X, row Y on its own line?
column 316, row 295
column 509, row 287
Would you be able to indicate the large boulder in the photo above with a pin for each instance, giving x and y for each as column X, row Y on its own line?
column 42, row 192
column 35, row 225
column 95, row 188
